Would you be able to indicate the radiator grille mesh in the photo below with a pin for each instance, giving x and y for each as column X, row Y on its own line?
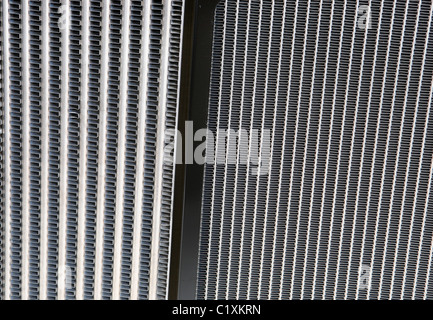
column 88, row 89
column 350, row 171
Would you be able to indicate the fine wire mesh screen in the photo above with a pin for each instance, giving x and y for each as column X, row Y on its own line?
column 345, row 88
column 88, row 89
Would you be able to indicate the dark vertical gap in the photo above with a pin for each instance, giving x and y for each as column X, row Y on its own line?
column 189, row 178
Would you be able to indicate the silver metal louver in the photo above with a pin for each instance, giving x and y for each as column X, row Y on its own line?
column 341, row 210
column 88, row 89
column 345, row 87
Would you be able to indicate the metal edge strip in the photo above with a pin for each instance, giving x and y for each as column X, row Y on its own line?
column 7, row 146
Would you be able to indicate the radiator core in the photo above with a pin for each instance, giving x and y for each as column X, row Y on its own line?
column 88, row 89
column 345, row 87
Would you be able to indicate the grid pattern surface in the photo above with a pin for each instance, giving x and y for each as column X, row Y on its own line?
column 345, row 211
column 88, row 89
